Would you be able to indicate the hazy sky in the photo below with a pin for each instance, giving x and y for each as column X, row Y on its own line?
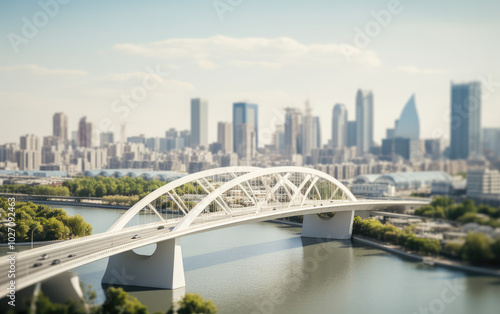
column 88, row 55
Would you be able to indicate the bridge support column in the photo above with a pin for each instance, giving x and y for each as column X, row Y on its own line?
column 337, row 227
column 163, row 269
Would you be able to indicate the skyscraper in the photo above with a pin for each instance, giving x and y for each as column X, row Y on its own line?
column 364, row 121
column 85, row 133
column 352, row 137
column 60, row 126
column 404, row 139
column 292, row 131
column 317, row 131
column 199, row 122
column 308, row 132
column 248, row 114
column 465, row 120
column 339, row 126
column 408, row 125
column 225, row 136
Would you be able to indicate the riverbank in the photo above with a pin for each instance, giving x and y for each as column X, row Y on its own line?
column 436, row 261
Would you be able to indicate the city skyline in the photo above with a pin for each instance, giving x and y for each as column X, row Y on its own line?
column 90, row 80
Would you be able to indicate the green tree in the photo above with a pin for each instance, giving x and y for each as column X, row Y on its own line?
column 477, row 248
column 194, row 303
column 120, row 302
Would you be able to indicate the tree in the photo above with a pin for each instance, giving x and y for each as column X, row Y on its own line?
column 120, row 302
column 477, row 248
column 194, row 303
column 78, row 227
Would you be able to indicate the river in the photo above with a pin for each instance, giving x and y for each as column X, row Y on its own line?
column 268, row 268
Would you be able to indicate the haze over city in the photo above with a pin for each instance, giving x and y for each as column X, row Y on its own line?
column 276, row 54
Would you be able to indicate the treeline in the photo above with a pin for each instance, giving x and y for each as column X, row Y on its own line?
column 44, row 222
column 375, row 229
column 465, row 212
column 101, row 186
column 477, row 249
column 117, row 301
column 35, row 190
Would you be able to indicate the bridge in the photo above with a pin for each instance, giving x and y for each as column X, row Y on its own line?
column 200, row 202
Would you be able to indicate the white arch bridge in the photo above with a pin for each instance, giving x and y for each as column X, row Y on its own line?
column 199, row 202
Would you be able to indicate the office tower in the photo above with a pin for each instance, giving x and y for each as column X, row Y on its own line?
column 60, row 126
column 186, row 138
column 85, row 133
column 225, row 136
column 317, row 132
column 247, row 148
column 408, row 125
column 433, row 148
column 292, row 131
column 483, row 182
column 308, row 132
column 30, row 155
column 364, row 121
column 404, row 140
column 352, row 138
column 107, row 138
column 339, row 126
column 248, row 114
column 465, row 120
column 491, row 142
column 199, row 122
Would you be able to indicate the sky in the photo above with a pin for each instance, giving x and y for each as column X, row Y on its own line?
column 139, row 63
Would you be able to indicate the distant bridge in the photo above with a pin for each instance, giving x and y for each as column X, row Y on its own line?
column 204, row 201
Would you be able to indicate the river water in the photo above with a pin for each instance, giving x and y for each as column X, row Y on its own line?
column 268, row 268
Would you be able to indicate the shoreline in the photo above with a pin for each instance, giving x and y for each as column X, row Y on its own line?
column 437, row 261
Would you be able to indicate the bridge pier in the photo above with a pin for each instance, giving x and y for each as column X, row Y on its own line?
column 163, row 269
column 337, row 227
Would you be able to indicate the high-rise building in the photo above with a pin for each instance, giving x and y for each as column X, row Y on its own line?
column 364, row 121
column 30, row 155
column 352, row 138
column 308, row 140
column 60, row 126
column 199, row 122
column 247, row 148
column 491, row 142
column 225, row 136
column 85, row 133
column 317, row 131
column 465, row 120
column 339, row 126
column 107, row 138
column 404, row 139
column 248, row 114
column 408, row 125
column 292, row 131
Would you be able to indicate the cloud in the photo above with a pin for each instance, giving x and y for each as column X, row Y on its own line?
column 205, row 64
column 250, row 51
column 414, row 70
column 36, row 69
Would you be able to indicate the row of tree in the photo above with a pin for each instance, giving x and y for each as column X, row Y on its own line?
column 43, row 222
column 386, row 232
column 119, row 301
column 465, row 212
column 35, row 190
column 101, row 186
column 478, row 248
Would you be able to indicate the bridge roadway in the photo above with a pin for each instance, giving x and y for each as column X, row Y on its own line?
column 95, row 247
